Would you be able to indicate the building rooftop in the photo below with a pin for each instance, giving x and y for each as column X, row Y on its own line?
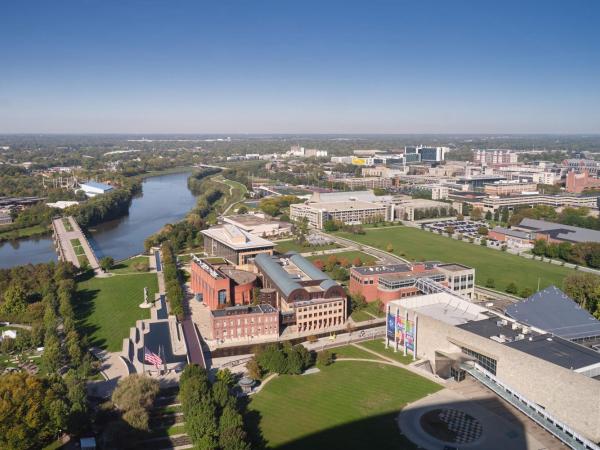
column 365, row 196
column 560, row 231
column 555, row 312
column 445, row 307
column 96, row 185
column 542, row 345
column 511, row 232
column 236, row 238
column 250, row 220
column 453, row 267
column 263, row 308
column 289, row 271
column 343, row 206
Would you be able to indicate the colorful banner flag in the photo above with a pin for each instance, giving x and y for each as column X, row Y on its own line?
column 391, row 325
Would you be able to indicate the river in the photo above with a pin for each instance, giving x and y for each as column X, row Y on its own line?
column 165, row 199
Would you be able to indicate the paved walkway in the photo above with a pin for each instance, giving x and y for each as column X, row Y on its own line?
column 64, row 237
column 112, row 368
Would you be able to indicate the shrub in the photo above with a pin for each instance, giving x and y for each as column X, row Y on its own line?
column 324, row 358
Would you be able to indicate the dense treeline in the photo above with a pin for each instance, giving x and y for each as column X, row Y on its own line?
column 105, row 207
column 172, row 280
column 194, row 181
column 578, row 217
column 582, row 253
column 213, row 419
column 584, row 288
column 35, row 409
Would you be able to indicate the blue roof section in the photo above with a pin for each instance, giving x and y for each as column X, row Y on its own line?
column 555, row 312
column 94, row 184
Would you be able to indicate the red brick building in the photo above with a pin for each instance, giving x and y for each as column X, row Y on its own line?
column 396, row 281
column 221, row 286
column 244, row 323
column 579, row 182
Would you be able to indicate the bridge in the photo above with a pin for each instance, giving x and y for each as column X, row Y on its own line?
column 71, row 244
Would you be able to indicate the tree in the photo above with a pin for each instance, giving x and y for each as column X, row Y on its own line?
column 483, row 242
column 476, row 214
column 389, row 248
column 242, row 210
column 201, row 424
column 135, row 392
column 15, row 300
column 490, row 283
column 504, row 216
column 24, row 418
column 220, row 393
column 231, row 430
column 324, row 358
column 511, row 288
column 318, row 263
column 539, row 247
column 526, row 292
column 488, row 215
column 357, row 262
column 459, row 216
column 106, row 263
column 584, row 288
column 482, row 231
column 357, row 302
column 449, row 230
column 331, row 225
column 254, row 370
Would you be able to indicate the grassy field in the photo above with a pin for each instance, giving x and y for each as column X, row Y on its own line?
column 235, row 195
column 350, row 351
column 67, row 224
column 349, row 405
column 366, row 259
column 127, row 265
column 108, row 307
column 378, row 346
column 504, row 268
column 292, row 246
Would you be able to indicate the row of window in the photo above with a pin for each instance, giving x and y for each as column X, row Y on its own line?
column 484, row 361
column 246, row 321
column 320, row 314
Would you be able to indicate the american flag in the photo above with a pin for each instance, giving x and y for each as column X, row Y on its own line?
column 152, row 358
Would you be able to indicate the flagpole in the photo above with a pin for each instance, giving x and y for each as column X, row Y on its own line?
column 144, row 356
column 164, row 361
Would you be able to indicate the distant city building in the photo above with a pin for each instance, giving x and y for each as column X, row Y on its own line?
column 579, row 182
column 366, row 182
column 559, row 200
column 93, row 188
column 345, row 207
column 235, row 245
column 580, row 165
column 258, row 224
column 513, row 238
column 62, row 204
column 296, row 150
column 439, row 193
column 392, row 282
column 383, row 171
column 428, row 154
column 503, row 188
column 520, row 362
column 545, row 178
column 417, row 208
column 306, row 297
column 220, row 285
column 341, row 159
column 495, row 157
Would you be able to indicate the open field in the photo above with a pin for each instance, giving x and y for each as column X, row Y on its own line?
column 107, row 307
column 67, row 224
column 504, row 268
column 350, row 255
column 349, row 405
column 293, row 246
column 378, row 345
column 127, row 265
column 350, row 351
column 236, row 193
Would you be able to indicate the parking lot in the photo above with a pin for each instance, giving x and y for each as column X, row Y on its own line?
column 466, row 228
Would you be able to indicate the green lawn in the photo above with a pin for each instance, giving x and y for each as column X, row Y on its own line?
column 108, row 307
column 366, row 258
column 293, row 246
column 504, row 268
column 67, row 224
column 77, row 248
column 127, row 265
column 378, row 346
column 348, row 405
column 350, row 351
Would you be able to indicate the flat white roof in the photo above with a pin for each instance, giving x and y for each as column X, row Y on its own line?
column 444, row 307
column 241, row 238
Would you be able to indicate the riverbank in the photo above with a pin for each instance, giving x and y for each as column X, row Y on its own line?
column 23, row 233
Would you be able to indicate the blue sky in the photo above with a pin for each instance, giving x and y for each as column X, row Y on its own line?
column 300, row 66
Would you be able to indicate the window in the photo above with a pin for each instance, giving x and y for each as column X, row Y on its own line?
column 222, row 297
column 484, row 361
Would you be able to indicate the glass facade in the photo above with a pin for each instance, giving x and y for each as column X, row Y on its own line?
column 486, row 362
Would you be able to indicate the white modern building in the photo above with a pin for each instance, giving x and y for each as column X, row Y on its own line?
column 93, row 188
